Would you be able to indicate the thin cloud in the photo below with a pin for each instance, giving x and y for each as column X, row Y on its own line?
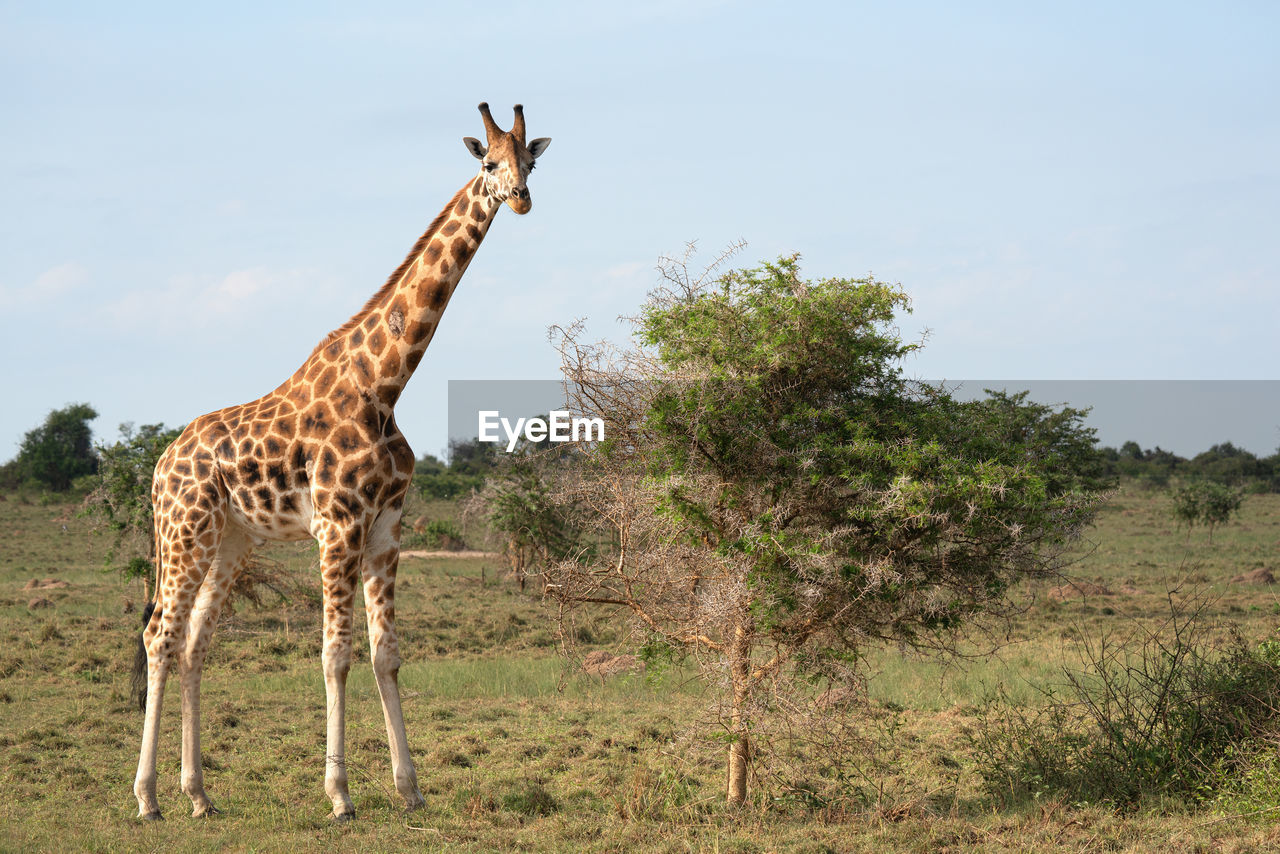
column 46, row 287
column 203, row 300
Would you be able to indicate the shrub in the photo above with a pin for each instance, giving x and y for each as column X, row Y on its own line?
column 1164, row 714
column 436, row 534
column 1205, row 503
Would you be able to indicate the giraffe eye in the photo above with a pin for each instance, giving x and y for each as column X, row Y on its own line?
column 489, row 167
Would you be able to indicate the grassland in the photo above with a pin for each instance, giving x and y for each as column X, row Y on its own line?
column 517, row 752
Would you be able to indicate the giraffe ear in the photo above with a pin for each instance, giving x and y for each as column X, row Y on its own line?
column 538, row 146
column 476, row 147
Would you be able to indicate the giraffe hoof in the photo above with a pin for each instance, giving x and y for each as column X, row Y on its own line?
column 154, row 815
column 342, row 818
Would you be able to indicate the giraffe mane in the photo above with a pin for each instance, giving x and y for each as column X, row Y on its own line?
column 419, row 247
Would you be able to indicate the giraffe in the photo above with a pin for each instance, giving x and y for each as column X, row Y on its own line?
column 319, row 457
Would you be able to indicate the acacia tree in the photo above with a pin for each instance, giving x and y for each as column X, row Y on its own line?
column 779, row 496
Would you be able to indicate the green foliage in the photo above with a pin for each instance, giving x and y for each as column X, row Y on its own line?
column 1173, row 716
column 58, row 451
column 445, row 485
column 788, row 396
column 1205, row 503
column 436, row 534
column 472, row 457
column 121, row 501
column 536, row 525
column 462, row 475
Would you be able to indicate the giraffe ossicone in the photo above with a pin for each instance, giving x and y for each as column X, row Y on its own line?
column 320, row 456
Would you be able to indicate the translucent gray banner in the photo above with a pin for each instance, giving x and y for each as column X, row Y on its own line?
column 1182, row 416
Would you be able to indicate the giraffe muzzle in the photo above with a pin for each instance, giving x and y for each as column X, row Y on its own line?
column 519, row 200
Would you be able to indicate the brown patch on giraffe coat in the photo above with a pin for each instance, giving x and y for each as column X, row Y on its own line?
column 450, row 227
column 418, row 333
column 286, row 425
column 477, row 213
column 363, row 371
column 344, row 400
column 439, row 296
column 459, row 249
column 388, row 394
column 474, row 233
column 250, row 471
column 432, row 254
column 317, row 421
column 395, row 322
column 324, row 382
column 346, row 439
column 278, row 477
column 391, row 362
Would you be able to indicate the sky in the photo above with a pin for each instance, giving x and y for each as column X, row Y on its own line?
column 193, row 196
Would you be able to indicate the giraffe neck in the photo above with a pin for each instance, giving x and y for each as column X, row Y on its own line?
column 378, row 349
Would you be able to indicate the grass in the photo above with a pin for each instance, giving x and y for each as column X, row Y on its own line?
column 515, row 753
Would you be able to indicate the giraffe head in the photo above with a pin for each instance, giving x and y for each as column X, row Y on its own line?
column 506, row 160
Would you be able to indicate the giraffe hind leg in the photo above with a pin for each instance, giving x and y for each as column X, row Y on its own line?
column 233, row 551
column 185, row 552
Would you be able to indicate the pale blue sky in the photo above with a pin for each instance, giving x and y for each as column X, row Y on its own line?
column 193, row 197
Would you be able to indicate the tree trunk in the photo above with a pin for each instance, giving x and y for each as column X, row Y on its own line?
column 740, row 679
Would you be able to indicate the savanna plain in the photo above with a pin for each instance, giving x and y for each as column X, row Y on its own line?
column 518, row 749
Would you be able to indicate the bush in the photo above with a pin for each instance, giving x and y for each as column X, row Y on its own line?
column 446, row 485
column 1205, row 503
column 436, row 534
column 1171, row 716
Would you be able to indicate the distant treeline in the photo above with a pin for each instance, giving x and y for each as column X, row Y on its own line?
column 1224, row 463
column 470, row 461
column 61, row 452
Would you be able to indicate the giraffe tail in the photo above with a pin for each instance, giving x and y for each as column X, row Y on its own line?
column 138, row 685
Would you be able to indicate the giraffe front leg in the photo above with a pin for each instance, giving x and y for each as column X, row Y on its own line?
column 379, row 598
column 340, row 574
